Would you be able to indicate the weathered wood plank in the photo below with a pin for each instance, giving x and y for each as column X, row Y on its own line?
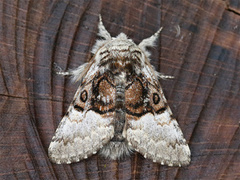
column 199, row 46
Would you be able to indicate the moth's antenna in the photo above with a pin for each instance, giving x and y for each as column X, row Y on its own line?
column 150, row 42
column 102, row 30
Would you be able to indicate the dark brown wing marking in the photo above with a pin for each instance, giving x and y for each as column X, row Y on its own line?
column 103, row 94
column 143, row 97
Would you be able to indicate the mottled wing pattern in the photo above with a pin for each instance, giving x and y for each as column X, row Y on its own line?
column 151, row 130
column 88, row 124
column 119, row 106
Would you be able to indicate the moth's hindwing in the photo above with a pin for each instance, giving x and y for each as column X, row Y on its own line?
column 151, row 130
column 88, row 124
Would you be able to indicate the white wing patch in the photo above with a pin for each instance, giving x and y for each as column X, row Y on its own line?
column 159, row 138
column 78, row 137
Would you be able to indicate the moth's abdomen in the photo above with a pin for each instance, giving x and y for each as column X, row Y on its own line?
column 116, row 150
column 119, row 110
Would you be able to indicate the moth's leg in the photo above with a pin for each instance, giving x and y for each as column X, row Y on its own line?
column 163, row 76
column 58, row 70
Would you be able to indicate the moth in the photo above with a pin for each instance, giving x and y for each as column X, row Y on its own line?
column 119, row 108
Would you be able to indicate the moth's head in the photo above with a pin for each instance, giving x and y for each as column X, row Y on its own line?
column 122, row 38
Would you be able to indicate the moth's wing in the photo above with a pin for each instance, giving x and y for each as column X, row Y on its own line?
column 151, row 130
column 87, row 126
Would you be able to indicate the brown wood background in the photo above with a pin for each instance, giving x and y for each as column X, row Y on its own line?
column 204, row 96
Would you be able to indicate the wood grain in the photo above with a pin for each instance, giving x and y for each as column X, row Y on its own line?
column 204, row 96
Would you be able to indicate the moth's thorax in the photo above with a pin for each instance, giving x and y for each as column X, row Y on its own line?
column 121, row 54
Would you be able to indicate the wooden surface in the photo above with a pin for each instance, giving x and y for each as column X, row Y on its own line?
column 204, row 96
